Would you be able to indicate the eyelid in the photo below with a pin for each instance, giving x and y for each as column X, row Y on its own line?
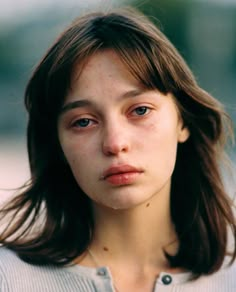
column 74, row 117
column 142, row 104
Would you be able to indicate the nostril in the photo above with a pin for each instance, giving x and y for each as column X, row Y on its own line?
column 114, row 148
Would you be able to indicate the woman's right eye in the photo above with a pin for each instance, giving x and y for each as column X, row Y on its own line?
column 82, row 123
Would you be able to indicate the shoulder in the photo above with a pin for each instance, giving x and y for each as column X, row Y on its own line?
column 17, row 275
column 222, row 281
column 225, row 277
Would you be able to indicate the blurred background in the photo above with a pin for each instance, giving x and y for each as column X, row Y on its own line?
column 203, row 31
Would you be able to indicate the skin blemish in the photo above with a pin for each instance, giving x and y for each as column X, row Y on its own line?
column 148, row 204
column 105, row 248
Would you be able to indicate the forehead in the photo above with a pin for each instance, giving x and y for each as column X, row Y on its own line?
column 101, row 68
column 96, row 60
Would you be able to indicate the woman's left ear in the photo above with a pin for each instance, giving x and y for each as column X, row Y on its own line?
column 183, row 134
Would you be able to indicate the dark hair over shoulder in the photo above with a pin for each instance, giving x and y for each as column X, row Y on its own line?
column 52, row 200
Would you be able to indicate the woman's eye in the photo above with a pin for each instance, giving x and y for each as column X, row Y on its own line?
column 141, row 110
column 82, row 123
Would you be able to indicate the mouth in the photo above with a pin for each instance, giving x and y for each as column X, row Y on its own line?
column 121, row 175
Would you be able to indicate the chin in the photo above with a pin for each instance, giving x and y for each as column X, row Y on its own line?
column 123, row 204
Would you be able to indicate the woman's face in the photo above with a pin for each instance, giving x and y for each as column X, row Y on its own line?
column 119, row 139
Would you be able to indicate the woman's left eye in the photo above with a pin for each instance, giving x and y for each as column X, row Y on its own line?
column 141, row 110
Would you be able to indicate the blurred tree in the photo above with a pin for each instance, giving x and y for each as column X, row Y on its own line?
column 171, row 16
column 8, row 56
column 21, row 46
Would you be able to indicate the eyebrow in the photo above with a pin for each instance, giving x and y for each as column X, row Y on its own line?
column 85, row 102
column 75, row 104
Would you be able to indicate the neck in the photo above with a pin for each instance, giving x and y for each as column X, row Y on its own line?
column 136, row 236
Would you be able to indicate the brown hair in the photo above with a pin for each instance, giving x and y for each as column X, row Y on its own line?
column 200, row 207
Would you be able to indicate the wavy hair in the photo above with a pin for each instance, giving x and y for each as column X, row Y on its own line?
column 200, row 208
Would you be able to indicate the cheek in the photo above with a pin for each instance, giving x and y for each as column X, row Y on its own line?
column 161, row 134
column 79, row 158
column 160, row 141
column 73, row 149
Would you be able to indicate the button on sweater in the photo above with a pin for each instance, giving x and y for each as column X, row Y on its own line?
column 18, row 276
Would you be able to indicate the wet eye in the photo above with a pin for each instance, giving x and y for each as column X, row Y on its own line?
column 141, row 110
column 82, row 123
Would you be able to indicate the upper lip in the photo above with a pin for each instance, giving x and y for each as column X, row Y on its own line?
column 119, row 169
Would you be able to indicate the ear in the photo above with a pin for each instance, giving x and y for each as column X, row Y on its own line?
column 183, row 134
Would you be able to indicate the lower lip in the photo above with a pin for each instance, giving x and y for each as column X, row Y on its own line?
column 123, row 178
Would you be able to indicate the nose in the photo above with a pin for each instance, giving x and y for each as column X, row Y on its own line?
column 115, row 140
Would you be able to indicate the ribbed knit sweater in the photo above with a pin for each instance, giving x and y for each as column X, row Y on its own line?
column 18, row 276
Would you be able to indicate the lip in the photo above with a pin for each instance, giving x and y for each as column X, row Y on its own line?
column 120, row 169
column 121, row 174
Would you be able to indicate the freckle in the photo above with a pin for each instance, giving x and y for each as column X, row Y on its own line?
column 105, row 248
column 148, row 204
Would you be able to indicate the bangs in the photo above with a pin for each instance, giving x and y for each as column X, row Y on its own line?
column 138, row 62
column 138, row 50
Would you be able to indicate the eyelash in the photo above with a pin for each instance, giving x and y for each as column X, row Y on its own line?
column 134, row 112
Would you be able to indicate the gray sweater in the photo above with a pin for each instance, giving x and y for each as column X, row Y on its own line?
column 18, row 276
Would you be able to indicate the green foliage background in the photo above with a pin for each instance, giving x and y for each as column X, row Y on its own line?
column 204, row 33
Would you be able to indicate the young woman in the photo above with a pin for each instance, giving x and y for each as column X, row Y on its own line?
column 125, row 151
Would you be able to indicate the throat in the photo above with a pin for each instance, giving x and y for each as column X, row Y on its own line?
column 136, row 280
column 143, row 230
